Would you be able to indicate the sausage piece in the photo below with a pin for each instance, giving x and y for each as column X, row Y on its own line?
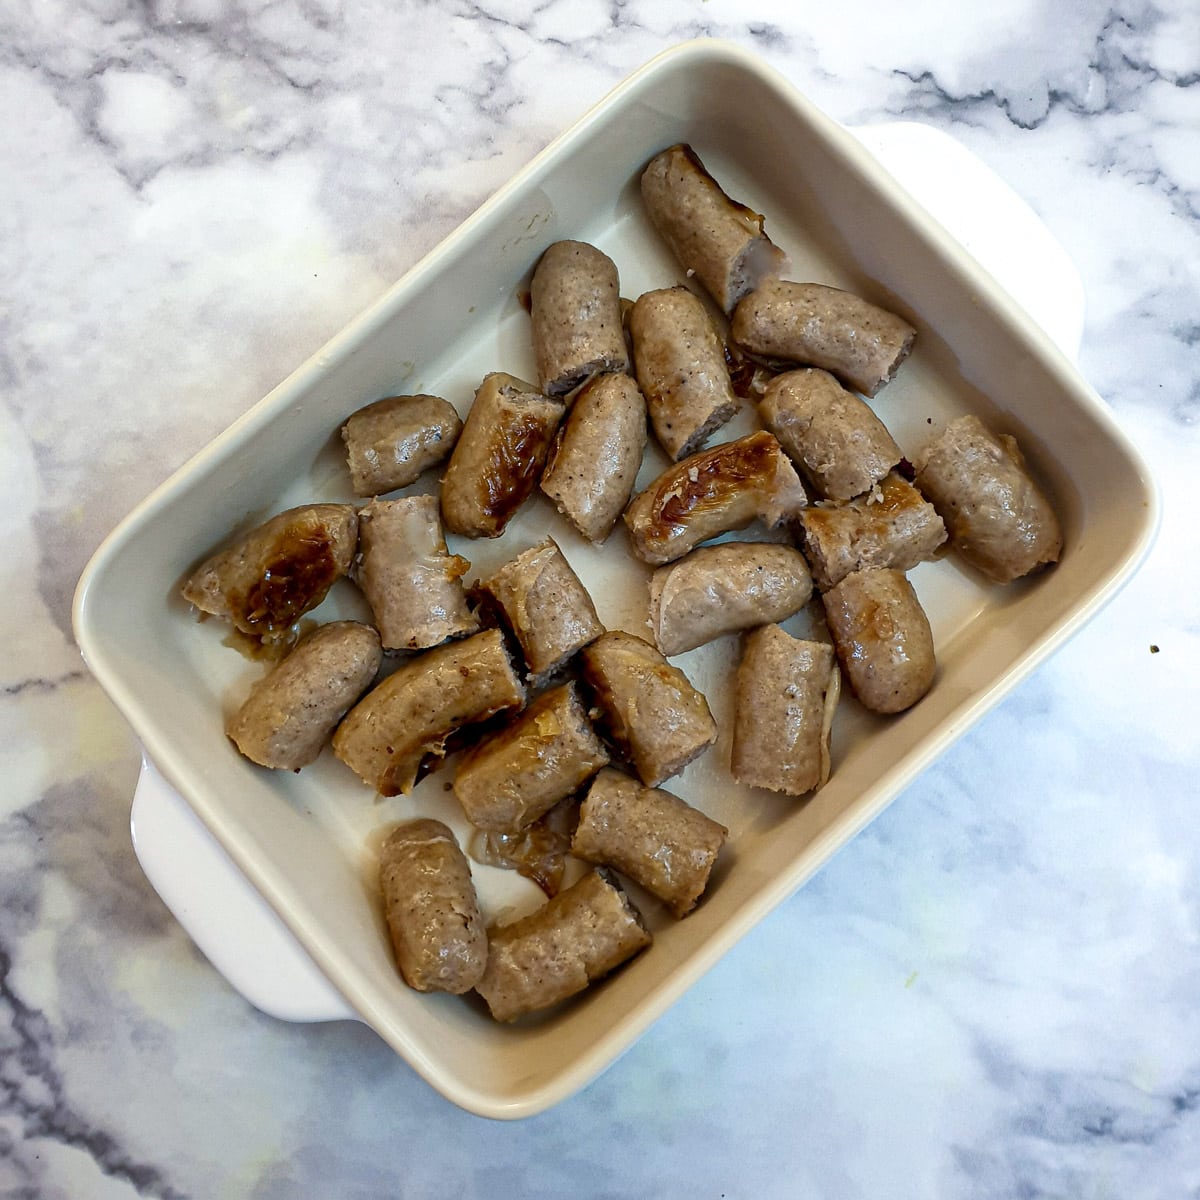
column 998, row 518
column 720, row 589
column 840, row 446
column 575, row 306
column 711, row 493
column 515, row 776
column 653, row 715
column 596, row 455
column 545, row 605
column 585, row 932
column 290, row 713
column 787, row 692
column 414, row 587
column 893, row 525
column 270, row 577
column 655, row 838
column 391, row 442
column 720, row 240
column 859, row 342
column 882, row 637
column 407, row 719
column 681, row 369
column 437, row 932
column 499, row 456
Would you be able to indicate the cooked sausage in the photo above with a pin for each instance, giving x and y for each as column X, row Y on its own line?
column 652, row 714
column 998, row 518
column 290, row 713
column 655, row 838
column 499, row 456
column 681, row 369
column 581, row 935
column 575, row 306
column 711, row 493
column 270, row 577
column 720, row 240
column 596, row 455
column 819, row 326
column 721, row 589
column 839, row 445
column 406, row 719
column 893, row 525
column 391, row 442
column 515, row 776
column 437, row 932
column 882, row 637
column 414, row 587
column 787, row 691
column 545, row 605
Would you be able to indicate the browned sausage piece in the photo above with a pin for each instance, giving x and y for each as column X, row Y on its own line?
column 270, row 577
column 861, row 343
column 596, row 455
column 581, row 935
column 721, row 589
column 787, row 691
column 681, row 368
column 545, row 605
column 389, row 443
column 655, row 838
column 515, row 776
column 575, row 305
column 840, row 446
column 893, row 525
column 438, row 935
column 653, row 715
column 717, row 238
column 882, row 637
column 414, row 587
column 999, row 519
column 711, row 493
column 499, row 456
column 407, row 719
column 290, row 713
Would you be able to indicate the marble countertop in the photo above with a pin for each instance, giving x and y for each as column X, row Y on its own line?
column 993, row 991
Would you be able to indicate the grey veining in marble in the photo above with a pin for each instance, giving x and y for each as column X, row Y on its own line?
column 993, row 992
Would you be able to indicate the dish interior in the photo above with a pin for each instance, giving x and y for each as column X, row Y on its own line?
column 308, row 840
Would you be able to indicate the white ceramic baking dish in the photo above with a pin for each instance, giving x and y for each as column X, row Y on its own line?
column 306, row 840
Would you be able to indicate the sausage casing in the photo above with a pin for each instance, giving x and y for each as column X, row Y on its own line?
column 575, row 307
column 998, row 518
column 413, row 585
column 680, row 363
column 720, row 589
column 596, row 455
column 391, row 442
column 408, row 717
column 653, row 714
column 859, row 342
column 787, row 691
column 711, row 493
column 882, row 637
column 515, row 776
column 720, row 240
column 433, row 918
column 656, row 839
column 545, row 605
column 290, row 713
column 499, row 456
column 585, row 932
column 270, row 577
column 893, row 525
column 840, row 446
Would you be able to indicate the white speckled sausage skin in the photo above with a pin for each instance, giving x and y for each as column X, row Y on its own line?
column 391, row 442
